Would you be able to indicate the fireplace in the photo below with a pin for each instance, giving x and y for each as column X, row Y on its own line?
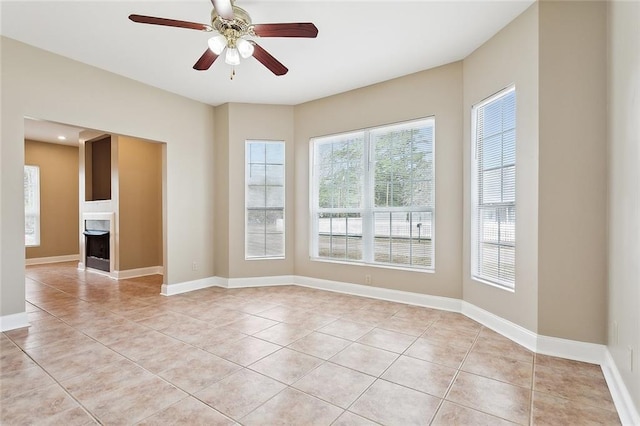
column 97, row 240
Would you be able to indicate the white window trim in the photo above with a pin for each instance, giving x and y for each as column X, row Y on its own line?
column 507, row 286
column 36, row 206
column 284, row 202
column 367, row 223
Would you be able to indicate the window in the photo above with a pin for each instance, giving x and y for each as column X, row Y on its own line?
column 264, row 200
column 31, row 206
column 373, row 196
column 493, row 239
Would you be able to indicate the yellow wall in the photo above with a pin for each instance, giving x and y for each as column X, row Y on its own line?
column 140, row 203
column 58, row 198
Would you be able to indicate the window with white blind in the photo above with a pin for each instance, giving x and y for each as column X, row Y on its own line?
column 31, row 206
column 264, row 199
column 493, row 239
column 373, row 196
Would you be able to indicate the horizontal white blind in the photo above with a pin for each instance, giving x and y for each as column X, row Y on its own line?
column 494, row 241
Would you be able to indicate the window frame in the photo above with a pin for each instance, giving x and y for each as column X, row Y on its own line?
column 265, row 208
column 34, row 209
column 367, row 209
column 476, row 206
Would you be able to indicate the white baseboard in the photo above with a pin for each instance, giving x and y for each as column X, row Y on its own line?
column 571, row 349
column 511, row 330
column 139, row 272
column 52, row 259
column 259, row 281
column 13, row 321
column 185, row 287
column 425, row 300
column 622, row 399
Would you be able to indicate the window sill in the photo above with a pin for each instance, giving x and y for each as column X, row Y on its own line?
column 374, row 265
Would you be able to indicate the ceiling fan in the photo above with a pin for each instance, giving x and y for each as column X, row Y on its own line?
column 235, row 30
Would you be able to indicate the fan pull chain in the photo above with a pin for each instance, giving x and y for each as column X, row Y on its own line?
column 233, row 72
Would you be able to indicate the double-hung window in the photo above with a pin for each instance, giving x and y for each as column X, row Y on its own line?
column 264, row 199
column 373, row 196
column 31, row 206
column 493, row 239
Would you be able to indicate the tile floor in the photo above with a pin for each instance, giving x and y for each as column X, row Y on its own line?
column 109, row 352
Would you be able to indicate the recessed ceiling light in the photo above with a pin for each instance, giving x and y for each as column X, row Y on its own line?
column 62, row 138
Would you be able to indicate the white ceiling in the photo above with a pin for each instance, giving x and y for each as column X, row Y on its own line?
column 359, row 42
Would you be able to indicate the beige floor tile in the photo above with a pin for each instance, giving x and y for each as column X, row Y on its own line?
column 349, row 419
column 424, row 376
column 18, row 382
column 567, row 365
column 438, row 352
column 454, row 414
column 491, row 396
column 245, row 351
column 366, row 359
column 346, row 329
column 240, row 393
column 320, row 345
column 462, row 338
column 13, row 359
column 252, row 324
column 410, row 326
column 53, row 407
column 283, row 334
column 388, row 403
column 493, row 343
column 196, row 370
column 338, row 385
column 292, row 407
column 551, row 410
column 500, row 368
column 588, row 389
column 286, row 365
column 457, row 321
column 136, row 402
column 387, row 340
column 78, row 362
column 189, row 411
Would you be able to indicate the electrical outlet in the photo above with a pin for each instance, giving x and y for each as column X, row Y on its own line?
column 367, row 279
column 194, row 266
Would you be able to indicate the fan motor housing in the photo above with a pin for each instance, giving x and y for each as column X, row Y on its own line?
column 240, row 25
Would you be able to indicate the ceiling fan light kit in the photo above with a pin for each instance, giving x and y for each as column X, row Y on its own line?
column 235, row 32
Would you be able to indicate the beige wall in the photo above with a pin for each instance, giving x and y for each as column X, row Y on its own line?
column 510, row 57
column 40, row 84
column 222, row 190
column 436, row 92
column 58, row 198
column 140, row 203
column 244, row 122
column 572, row 245
column 624, row 191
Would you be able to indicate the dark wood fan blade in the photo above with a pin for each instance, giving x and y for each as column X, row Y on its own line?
column 170, row 22
column 206, row 60
column 298, row 29
column 224, row 8
column 267, row 60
